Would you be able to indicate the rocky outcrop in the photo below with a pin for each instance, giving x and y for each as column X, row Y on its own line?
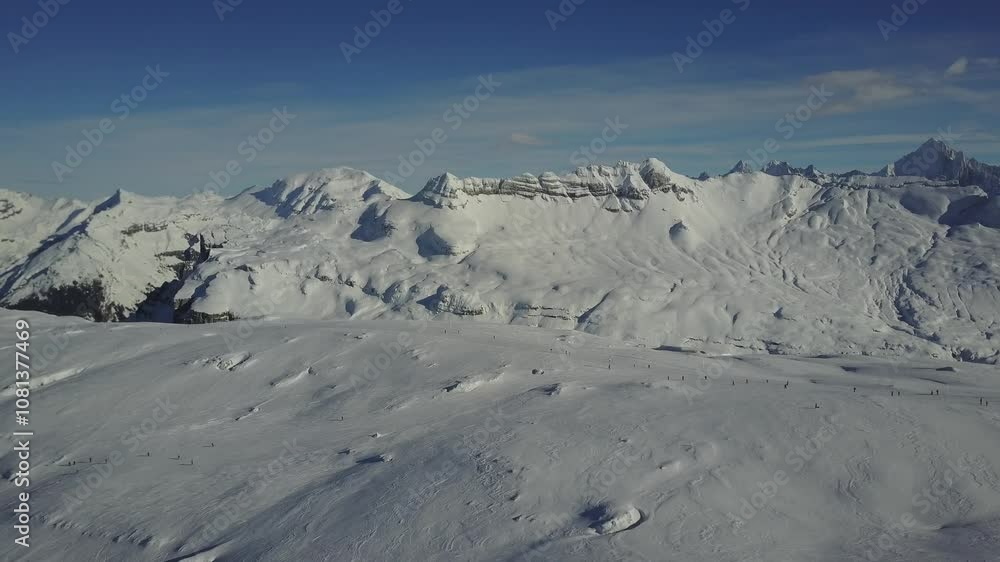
column 742, row 167
column 448, row 300
column 782, row 168
column 937, row 161
column 86, row 299
column 625, row 180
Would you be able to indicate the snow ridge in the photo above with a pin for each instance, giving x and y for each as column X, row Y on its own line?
column 787, row 261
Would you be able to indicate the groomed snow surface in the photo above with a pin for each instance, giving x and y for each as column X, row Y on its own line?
column 308, row 440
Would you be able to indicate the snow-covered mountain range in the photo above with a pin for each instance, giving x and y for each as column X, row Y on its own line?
column 905, row 261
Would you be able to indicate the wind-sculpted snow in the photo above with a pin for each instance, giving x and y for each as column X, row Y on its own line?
column 327, row 190
column 791, row 260
column 284, row 441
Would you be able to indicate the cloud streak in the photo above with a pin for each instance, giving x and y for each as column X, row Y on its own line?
column 958, row 67
column 526, row 139
column 694, row 124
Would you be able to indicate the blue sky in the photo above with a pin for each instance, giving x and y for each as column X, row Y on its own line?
column 222, row 78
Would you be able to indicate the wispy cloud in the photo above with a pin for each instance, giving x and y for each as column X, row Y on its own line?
column 526, row 139
column 703, row 122
column 861, row 90
column 863, row 140
column 958, row 67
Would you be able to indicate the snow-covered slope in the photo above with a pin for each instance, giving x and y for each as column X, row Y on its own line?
column 27, row 222
column 788, row 261
column 284, row 440
column 123, row 256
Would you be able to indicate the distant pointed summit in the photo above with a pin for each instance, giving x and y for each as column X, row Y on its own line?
column 742, row 167
column 782, row 168
column 776, row 168
column 937, row 160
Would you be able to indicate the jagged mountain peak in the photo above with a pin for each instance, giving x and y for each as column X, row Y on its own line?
column 783, row 168
column 936, row 159
column 778, row 168
column 122, row 199
column 742, row 167
column 933, row 159
column 934, row 143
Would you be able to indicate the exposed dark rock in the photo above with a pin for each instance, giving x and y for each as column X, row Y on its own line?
column 86, row 300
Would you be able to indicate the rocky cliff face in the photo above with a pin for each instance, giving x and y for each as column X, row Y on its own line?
column 936, row 160
column 624, row 180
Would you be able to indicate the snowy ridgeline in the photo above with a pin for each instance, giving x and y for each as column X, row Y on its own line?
column 389, row 440
column 787, row 261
